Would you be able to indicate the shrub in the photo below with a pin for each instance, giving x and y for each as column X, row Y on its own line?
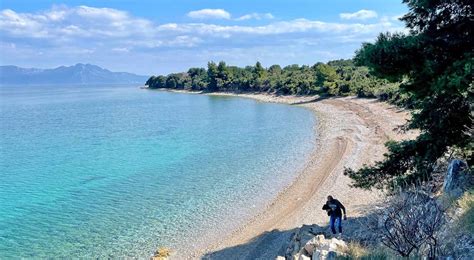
column 411, row 222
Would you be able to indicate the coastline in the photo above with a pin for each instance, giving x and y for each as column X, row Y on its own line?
column 350, row 132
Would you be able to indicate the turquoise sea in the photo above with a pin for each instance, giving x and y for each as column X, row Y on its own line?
column 116, row 171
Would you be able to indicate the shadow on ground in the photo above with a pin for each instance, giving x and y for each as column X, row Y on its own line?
column 269, row 245
column 260, row 247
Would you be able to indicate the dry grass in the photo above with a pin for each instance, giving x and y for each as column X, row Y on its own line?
column 466, row 203
column 355, row 250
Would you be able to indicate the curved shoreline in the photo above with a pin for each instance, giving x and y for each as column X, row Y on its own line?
column 350, row 132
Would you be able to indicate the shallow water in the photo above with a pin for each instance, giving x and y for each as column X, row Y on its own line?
column 108, row 171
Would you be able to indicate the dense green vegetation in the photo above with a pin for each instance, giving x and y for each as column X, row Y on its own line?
column 339, row 77
column 434, row 61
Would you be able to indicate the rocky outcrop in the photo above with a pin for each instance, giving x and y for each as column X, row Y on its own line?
column 320, row 247
column 300, row 238
column 310, row 243
column 456, row 179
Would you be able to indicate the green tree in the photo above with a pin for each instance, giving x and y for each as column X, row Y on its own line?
column 435, row 63
column 259, row 70
column 173, row 81
column 160, row 81
column 150, row 82
column 326, row 78
column 156, row 82
column 198, row 78
column 223, row 76
column 212, row 76
column 274, row 69
column 259, row 76
column 196, row 73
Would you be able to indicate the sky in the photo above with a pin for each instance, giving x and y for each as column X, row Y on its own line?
column 151, row 37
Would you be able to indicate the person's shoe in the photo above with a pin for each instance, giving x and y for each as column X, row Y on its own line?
column 339, row 236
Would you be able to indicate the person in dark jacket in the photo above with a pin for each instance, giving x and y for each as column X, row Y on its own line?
column 334, row 209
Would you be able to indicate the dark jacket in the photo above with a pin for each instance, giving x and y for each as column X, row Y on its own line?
column 334, row 208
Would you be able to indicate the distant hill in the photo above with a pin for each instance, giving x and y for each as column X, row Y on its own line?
column 77, row 74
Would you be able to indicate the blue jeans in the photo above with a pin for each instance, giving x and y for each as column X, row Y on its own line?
column 335, row 221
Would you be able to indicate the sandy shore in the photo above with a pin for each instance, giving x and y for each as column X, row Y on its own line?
column 351, row 132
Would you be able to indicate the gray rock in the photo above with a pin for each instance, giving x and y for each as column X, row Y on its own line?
column 303, row 257
column 455, row 179
column 331, row 255
column 315, row 243
column 308, row 243
column 316, row 255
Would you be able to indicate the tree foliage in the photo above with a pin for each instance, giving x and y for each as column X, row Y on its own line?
column 339, row 77
column 434, row 63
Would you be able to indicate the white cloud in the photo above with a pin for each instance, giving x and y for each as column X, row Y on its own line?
column 111, row 29
column 110, row 37
column 101, row 13
column 110, row 25
column 64, row 23
column 223, row 14
column 256, row 16
column 184, row 40
column 359, row 15
column 121, row 49
column 209, row 14
column 56, row 14
column 17, row 24
column 278, row 28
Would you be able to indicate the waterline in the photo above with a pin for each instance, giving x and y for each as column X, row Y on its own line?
column 100, row 172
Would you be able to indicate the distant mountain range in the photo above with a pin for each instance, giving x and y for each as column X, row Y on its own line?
column 77, row 74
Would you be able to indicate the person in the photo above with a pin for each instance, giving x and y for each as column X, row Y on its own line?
column 333, row 208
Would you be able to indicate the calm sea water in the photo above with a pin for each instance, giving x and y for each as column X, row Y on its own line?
column 108, row 171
